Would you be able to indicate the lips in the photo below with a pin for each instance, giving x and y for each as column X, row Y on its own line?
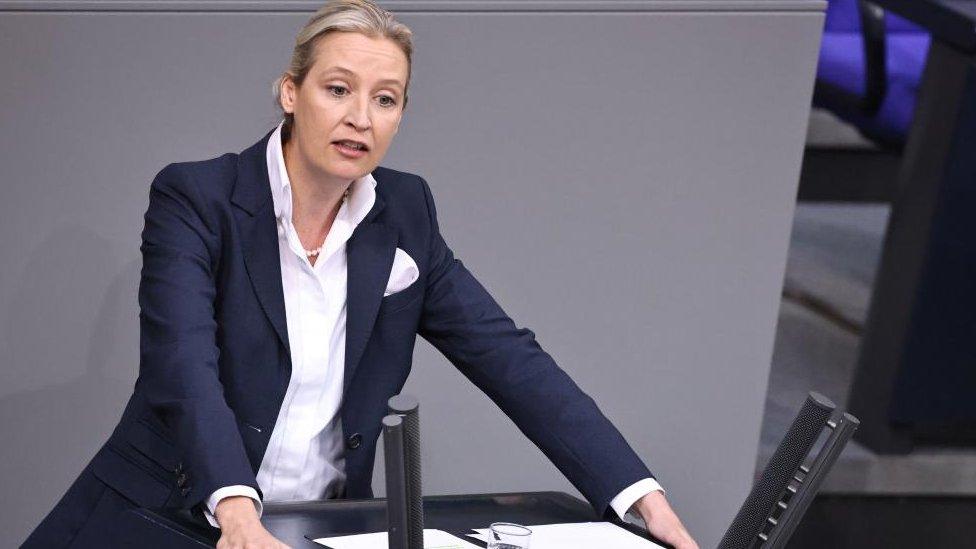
column 352, row 144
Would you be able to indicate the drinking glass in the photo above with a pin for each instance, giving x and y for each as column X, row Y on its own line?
column 505, row 535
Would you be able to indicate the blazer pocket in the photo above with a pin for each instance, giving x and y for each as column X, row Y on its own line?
column 130, row 479
column 402, row 299
column 140, row 463
column 151, row 443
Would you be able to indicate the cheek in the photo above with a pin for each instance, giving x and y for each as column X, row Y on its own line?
column 386, row 130
column 313, row 141
column 321, row 114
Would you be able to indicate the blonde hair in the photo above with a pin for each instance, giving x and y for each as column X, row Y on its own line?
column 361, row 16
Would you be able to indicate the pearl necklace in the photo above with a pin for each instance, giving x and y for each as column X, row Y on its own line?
column 316, row 251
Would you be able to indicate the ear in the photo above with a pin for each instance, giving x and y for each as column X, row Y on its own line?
column 287, row 94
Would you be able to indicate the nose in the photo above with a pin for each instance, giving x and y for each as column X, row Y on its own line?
column 357, row 115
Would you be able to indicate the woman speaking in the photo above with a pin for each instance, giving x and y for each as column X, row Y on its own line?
column 282, row 290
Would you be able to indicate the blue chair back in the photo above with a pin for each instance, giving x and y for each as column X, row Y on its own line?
column 842, row 73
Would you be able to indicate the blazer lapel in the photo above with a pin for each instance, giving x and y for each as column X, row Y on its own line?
column 259, row 234
column 369, row 254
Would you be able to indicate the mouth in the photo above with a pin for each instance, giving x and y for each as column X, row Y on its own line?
column 351, row 145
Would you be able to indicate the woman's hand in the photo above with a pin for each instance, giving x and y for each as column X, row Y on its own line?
column 662, row 523
column 240, row 527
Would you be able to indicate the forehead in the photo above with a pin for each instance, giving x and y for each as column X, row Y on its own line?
column 367, row 58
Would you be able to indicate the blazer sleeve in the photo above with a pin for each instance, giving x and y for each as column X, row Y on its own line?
column 178, row 371
column 465, row 323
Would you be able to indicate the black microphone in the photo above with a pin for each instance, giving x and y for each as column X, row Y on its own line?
column 404, row 496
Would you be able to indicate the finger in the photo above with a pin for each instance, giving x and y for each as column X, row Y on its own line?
column 677, row 538
column 687, row 543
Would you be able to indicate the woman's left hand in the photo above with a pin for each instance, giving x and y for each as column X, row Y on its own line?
column 662, row 522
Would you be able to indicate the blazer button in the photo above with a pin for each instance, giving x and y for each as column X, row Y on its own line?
column 181, row 480
column 354, row 441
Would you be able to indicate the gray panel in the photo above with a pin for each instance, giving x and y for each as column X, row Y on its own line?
column 411, row 6
column 622, row 183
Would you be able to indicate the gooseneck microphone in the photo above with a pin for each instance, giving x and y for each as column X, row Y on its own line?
column 404, row 496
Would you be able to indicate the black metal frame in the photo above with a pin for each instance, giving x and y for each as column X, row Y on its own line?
column 875, row 57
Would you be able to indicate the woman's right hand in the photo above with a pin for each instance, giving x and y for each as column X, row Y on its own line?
column 240, row 526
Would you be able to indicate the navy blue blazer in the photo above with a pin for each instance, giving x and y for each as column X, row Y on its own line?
column 215, row 361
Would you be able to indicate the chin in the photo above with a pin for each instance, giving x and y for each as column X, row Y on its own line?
column 356, row 173
column 347, row 171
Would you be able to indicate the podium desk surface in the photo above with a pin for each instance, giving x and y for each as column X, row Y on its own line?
column 296, row 524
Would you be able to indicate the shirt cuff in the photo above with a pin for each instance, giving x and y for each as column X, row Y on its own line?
column 629, row 496
column 209, row 510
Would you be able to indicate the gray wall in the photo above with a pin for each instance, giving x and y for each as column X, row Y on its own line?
column 620, row 175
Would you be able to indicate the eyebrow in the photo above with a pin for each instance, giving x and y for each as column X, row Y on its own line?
column 344, row 70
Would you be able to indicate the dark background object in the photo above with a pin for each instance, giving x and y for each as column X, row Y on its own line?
column 849, row 521
column 915, row 377
column 848, row 175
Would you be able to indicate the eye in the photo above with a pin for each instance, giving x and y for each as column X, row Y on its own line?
column 387, row 101
column 338, row 91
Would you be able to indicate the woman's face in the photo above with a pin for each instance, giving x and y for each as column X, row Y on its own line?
column 354, row 91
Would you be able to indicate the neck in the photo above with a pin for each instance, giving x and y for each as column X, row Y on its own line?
column 316, row 198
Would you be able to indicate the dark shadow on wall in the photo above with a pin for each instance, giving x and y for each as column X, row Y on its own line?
column 74, row 310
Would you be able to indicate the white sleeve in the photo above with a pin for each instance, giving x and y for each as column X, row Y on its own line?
column 629, row 496
column 227, row 491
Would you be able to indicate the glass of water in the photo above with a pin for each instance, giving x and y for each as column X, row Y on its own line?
column 505, row 535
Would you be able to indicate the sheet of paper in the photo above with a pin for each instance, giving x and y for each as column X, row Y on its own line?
column 433, row 539
column 580, row 535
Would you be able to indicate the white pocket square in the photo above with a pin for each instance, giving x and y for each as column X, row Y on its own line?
column 403, row 273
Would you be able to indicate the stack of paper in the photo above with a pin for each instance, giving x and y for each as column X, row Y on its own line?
column 433, row 539
column 581, row 535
